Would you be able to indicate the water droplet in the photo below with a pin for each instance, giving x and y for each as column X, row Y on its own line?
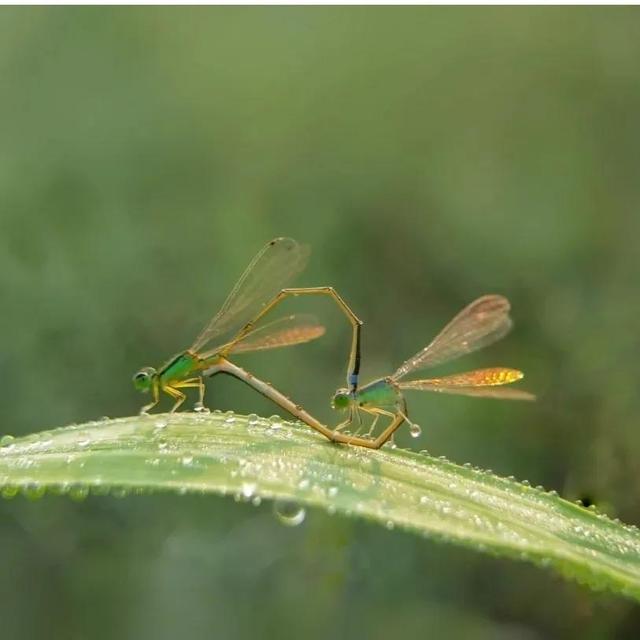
column 332, row 492
column 389, row 524
column 415, row 430
column 304, row 483
column 252, row 419
column 9, row 492
column 248, row 489
column 5, row 440
column 198, row 407
column 33, row 491
column 289, row 513
column 187, row 461
column 256, row 501
column 100, row 489
column 78, row 492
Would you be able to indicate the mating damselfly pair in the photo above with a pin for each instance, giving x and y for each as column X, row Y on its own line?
column 240, row 326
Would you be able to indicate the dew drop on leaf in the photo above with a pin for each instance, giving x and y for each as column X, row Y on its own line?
column 248, row 489
column 289, row 513
column 198, row 407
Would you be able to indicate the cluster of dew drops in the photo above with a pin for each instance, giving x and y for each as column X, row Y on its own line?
column 286, row 511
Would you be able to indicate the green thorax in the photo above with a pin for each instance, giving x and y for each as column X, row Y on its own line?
column 379, row 393
column 182, row 366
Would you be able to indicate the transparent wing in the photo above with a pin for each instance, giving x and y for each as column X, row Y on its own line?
column 479, row 324
column 284, row 332
column 484, row 383
column 270, row 271
column 487, row 392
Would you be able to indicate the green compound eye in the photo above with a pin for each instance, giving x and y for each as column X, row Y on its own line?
column 341, row 399
column 142, row 379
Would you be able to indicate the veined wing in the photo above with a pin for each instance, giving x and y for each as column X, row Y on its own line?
column 284, row 332
column 487, row 392
column 479, row 324
column 270, row 271
column 484, row 383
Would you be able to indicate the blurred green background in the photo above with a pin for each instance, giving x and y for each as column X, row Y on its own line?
column 428, row 155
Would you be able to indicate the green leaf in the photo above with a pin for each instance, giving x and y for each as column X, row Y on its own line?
column 254, row 459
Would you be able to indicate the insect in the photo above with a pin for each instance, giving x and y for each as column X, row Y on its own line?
column 259, row 289
column 479, row 324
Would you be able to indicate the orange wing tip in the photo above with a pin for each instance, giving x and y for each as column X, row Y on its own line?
column 493, row 376
column 489, row 377
column 506, row 376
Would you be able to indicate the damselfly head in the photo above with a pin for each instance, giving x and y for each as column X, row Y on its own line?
column 143, row 379
column 341, row 399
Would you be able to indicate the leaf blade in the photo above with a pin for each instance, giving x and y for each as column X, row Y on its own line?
column 230, row 454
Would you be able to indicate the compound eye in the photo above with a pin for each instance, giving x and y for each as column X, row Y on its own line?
column 143, row 379
column 341, row 399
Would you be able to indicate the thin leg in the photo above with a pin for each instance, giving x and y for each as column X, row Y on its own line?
column 372, row 427
column 192, row 383
column 199, row 406
column 398, row 419
column 178, row 395
column 376, row 413
column 346, row 422
column 156, row 398
column 210, row 372
column 379, row 412
column 354, row 354
column 406, row 419
column 368, row 442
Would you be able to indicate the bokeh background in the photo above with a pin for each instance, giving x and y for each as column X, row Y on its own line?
column 428, row 155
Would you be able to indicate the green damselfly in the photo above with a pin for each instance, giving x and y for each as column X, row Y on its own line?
column 481, row 323
column 235, row 329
